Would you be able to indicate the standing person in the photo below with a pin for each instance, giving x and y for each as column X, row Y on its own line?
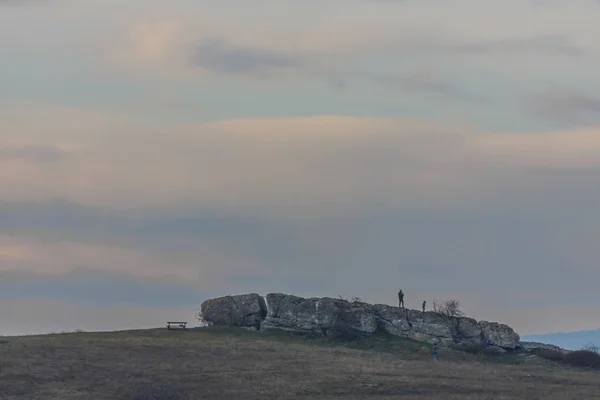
column 401, row 299
column 435, row 351
column 424, row 305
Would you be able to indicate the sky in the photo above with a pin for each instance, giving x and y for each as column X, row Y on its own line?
column 155, row 154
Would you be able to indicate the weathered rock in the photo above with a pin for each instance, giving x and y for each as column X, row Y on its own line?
column 247, row 310
column 332, row 317
column 317, row 315
column 428, row 327
column 393, row 320
column 535, row 347
column 468, row 328
column 431, row 327
column 499, row 335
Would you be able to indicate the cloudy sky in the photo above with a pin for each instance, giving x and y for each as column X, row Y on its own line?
column 154, row 154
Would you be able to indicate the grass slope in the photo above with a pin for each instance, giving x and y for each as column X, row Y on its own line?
column 217, row 363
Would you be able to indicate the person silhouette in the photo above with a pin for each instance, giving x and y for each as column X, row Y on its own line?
column 401, row 299
column 424, row 305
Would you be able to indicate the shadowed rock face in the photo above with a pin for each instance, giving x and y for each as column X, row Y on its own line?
column 328, row 316
column 247, row 310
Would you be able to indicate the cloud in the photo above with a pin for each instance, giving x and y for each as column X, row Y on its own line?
column 546, row 44
column 180, row 47
column 426, row 171
column 40, row 154
column 221, row 57
column 93, row 287
column 568, row 108
column 13, row 2
column 266, row 204
column 424, row 81
column 28, row 254
column 326, row 162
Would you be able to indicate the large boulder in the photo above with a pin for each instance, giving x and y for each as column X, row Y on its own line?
column 468, row 328
column 499, row 335
column 247, row 310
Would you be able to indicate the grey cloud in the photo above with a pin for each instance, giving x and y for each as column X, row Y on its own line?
column 40, row 154
column 219, row 56
column 547, row 44
column 567, row 108
column 426, row 84
column 415, row 82
column 168, row 234
column 92, row 287
column 503, row 247
column 18, row 2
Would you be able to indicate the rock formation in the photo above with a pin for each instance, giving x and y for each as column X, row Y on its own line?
column 536, row 347
column 247, row 310
column 330, row 317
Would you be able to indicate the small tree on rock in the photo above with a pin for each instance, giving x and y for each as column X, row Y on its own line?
column 448, row 308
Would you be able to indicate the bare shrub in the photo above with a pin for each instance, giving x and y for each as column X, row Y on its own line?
column 448, row 308
column 155, row 391
column 356, row 299
column 591, row 347
column 583, row 358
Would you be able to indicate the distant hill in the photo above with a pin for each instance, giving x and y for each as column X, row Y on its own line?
column 566, row 340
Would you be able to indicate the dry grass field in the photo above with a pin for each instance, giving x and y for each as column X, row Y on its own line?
column 213, row 363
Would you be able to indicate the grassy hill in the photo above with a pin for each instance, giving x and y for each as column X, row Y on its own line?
column 217, row 363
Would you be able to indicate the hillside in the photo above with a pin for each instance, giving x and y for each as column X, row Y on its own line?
column 234, row 363
column 567, row 340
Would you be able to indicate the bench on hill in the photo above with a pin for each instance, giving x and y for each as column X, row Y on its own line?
column 182, row 325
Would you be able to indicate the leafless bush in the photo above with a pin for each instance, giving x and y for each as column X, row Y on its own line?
column 353, row 299
column 591, row 347
column 448, row 308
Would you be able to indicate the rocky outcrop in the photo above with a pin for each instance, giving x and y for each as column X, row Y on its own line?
column 324, row 316
column 247, row 310
column 331, row 317
column 427, row 327
column 499, row 335
column 535, row 347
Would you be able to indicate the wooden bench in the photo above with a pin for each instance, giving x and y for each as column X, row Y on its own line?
column 182, row 325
